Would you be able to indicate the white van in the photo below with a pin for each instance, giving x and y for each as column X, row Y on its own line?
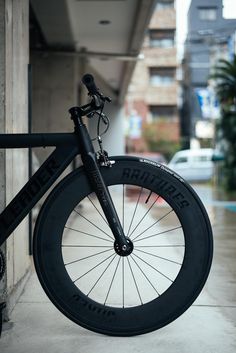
column 193, row 165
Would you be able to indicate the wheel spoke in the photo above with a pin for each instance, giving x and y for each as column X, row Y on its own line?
column 140, row 192
column 88, row 257
column 154, row 235
column 104, row 276
column 159, row 257
column 101, row 275
column 85, row 246
column 145, row 276
column 159, row 246
column 93, row 224
column 148, row 197
column 135, row 282
column 94, row 267
column 91, row 235
column 153, row 268
column 97, row 210
column 153, row 224
column 144, row 216
column 123, row 282
column 112, row 280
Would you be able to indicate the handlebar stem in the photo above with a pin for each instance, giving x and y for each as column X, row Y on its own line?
column 93, row 106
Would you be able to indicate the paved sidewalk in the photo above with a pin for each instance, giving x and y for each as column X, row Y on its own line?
column 209, row 326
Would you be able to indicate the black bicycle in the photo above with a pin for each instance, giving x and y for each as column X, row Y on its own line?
column 122, row 245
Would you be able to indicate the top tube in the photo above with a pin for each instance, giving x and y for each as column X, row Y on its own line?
column 37, row 140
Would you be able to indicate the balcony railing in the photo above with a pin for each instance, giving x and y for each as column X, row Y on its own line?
column 163, row 19
column 162, row 95
column 160, row 57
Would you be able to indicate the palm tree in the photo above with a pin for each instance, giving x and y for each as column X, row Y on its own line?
column 225, row 76
column 225, row 79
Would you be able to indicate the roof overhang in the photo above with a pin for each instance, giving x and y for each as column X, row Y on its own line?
column 105, row 35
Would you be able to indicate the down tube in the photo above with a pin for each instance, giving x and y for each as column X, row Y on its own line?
column 34, row 189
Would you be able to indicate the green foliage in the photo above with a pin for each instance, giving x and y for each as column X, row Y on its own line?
column 159, row 141
column 225, row 77
column 228, row 126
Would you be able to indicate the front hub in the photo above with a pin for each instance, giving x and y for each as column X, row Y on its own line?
column 124, row 250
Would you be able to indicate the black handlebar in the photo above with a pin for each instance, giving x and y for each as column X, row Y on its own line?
column 97, row 102
column 89, row 82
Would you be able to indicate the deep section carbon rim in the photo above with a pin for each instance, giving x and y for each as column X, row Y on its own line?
column 84, row 276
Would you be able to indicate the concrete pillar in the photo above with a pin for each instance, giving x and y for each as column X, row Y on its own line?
column 2, row 124
column 14, row 29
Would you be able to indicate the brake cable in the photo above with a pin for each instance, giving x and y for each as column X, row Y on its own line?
column 105, row 120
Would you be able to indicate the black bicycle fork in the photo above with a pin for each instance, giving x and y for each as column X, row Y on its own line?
column 122, row 244
column 67, row 147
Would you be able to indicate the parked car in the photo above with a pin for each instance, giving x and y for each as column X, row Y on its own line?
column 193, row 165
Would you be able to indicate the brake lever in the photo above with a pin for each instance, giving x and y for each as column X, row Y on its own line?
column 108, row 99
column 97, row 101
column 102, row 97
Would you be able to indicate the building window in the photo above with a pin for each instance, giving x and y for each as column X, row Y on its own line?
column 162, row 38
column 181, row 160
column 162, row 112
column 162, row 76
column 164, row 4
column 207, row 13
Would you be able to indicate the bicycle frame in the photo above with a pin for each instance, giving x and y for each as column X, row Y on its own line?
column 68, row 145
column 66, row 148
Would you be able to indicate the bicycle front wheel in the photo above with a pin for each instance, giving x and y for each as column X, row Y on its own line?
column 86, row 278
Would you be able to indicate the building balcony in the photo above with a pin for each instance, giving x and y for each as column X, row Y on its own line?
column 162, row 95
column 163, row 19
column 154, row 57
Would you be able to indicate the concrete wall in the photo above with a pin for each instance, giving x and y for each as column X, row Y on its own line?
column 14, row 119
column 54, row 91
column 2, row 123
column 55, row 88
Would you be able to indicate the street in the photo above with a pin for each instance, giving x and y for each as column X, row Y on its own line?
column 221, row 285
column 207, row 326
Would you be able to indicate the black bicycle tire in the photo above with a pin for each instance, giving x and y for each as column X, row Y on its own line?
column 128, row 321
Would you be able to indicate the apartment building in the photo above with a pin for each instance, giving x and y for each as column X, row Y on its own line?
column 210, row 37
column 152, row 95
